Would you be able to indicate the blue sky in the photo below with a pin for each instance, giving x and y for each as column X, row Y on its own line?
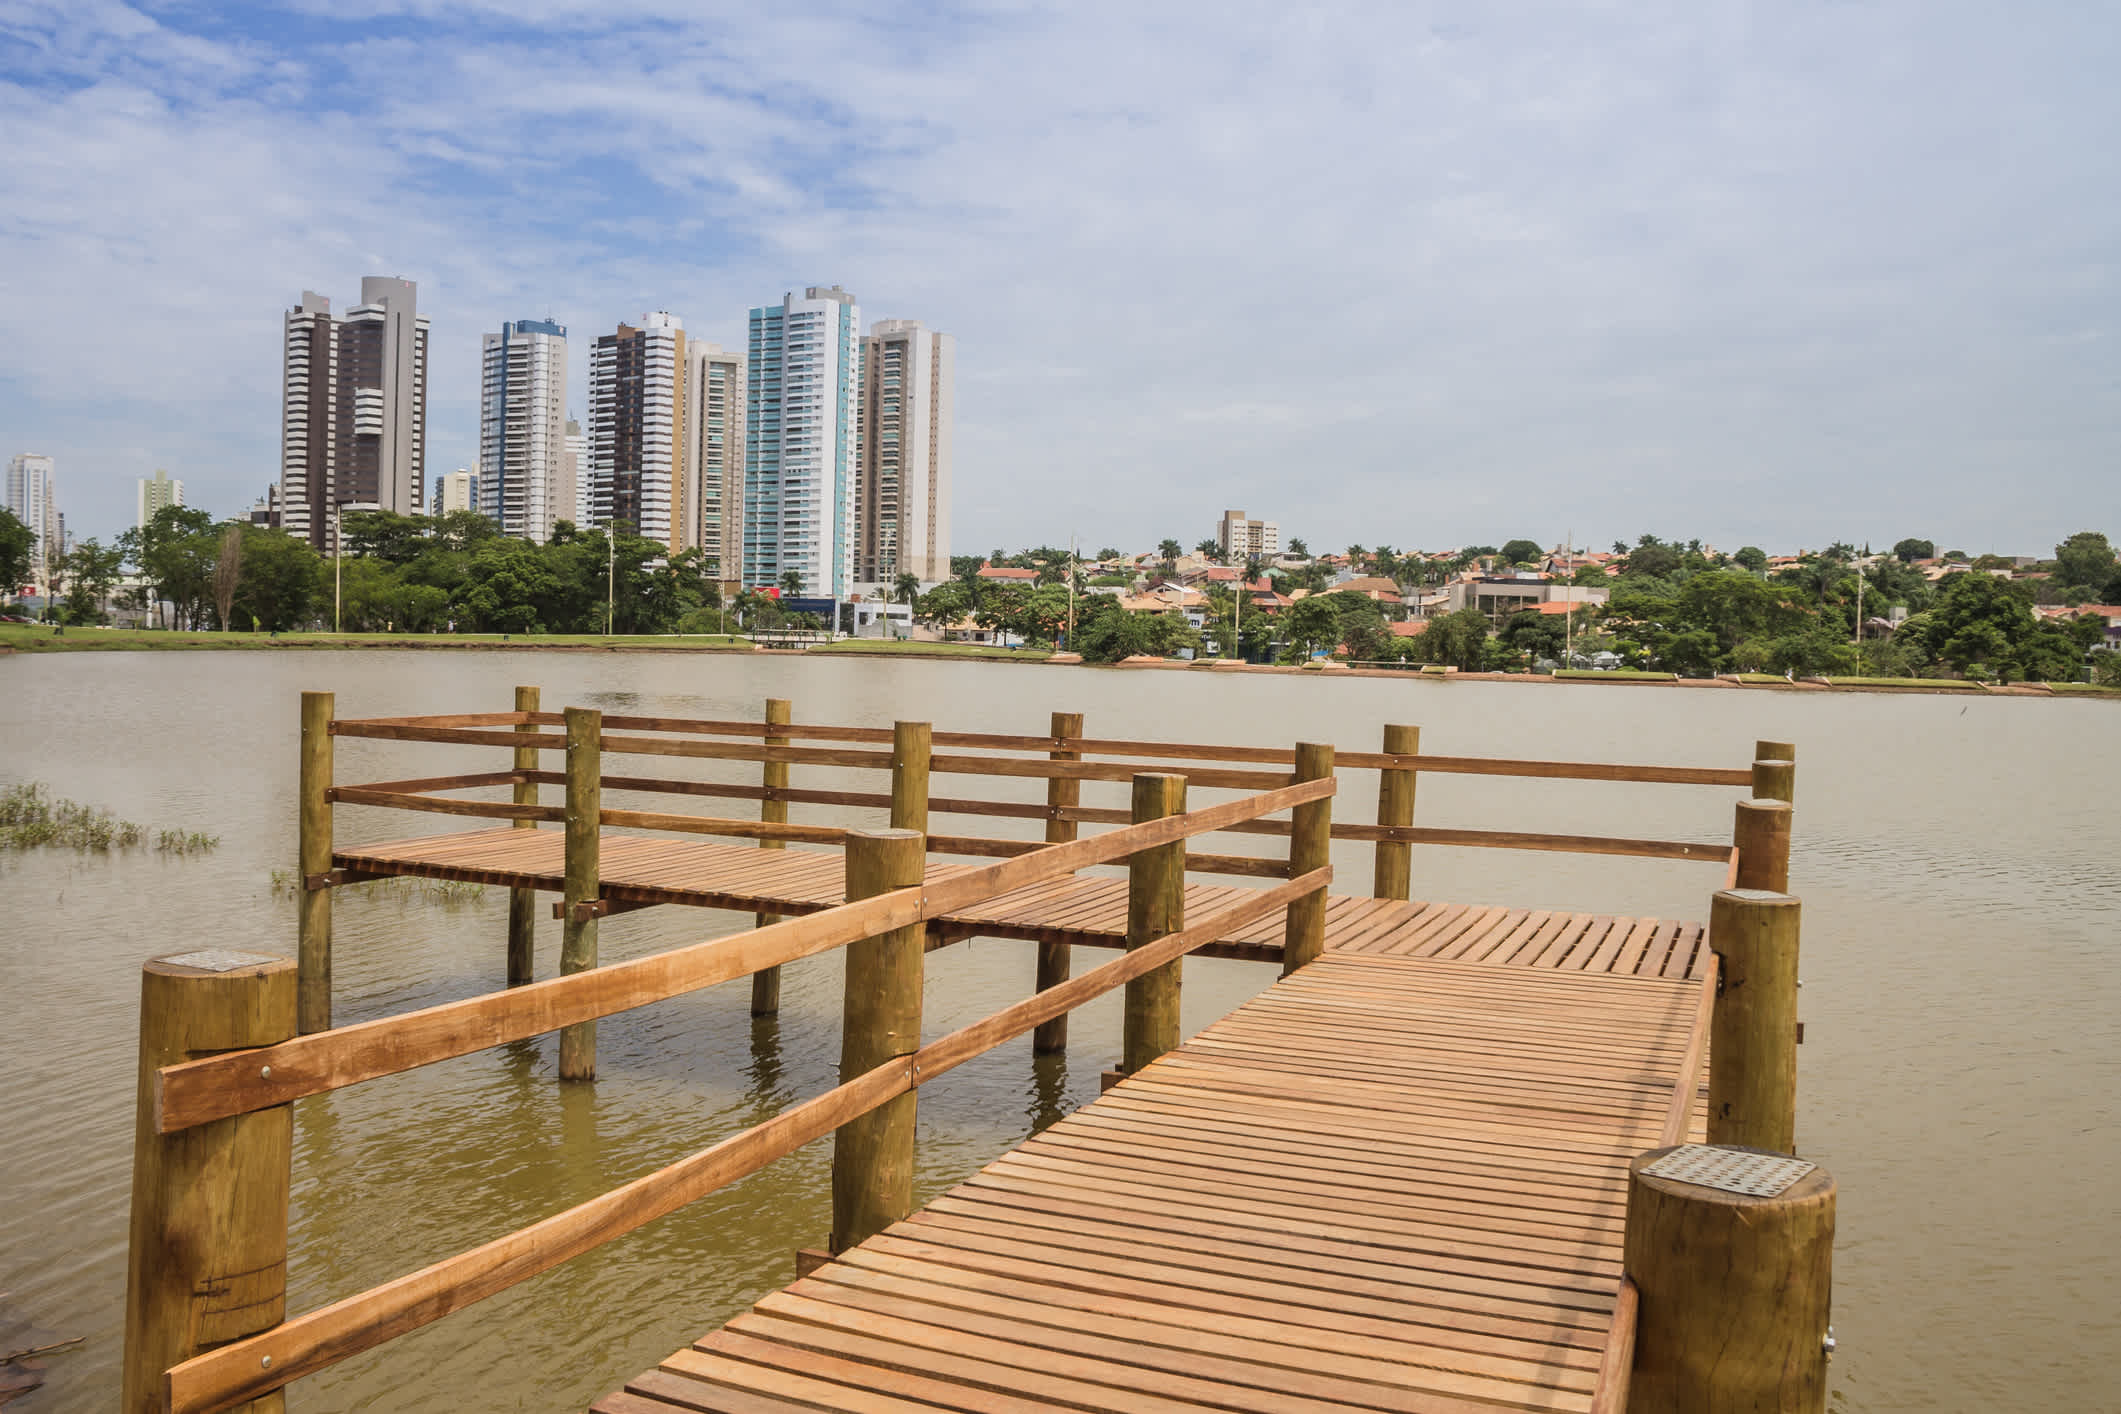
column 1427, row 274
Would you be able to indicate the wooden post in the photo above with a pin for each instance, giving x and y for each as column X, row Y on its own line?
column 1054, row 963
column 872, row 1156
column 1753, row 1028
column 578, row 931
column 1735, row 1293
column 523, row 903
column 912, row 744
column 1775, row 771
column 1395, row 806
column 766, row 982
column 1310, row 847
column 208, row 1253
column 1762, row 838
column 1156, row 905
column 313, row 864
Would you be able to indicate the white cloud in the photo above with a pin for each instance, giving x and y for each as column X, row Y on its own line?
column 1771, row 275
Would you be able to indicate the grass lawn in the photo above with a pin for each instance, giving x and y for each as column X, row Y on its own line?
column 1915, row 684
column 913, row 648
column 39, row 638
column 2089, row 688
column 1613, row 675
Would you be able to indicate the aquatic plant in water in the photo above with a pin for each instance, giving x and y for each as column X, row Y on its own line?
column 31, row 817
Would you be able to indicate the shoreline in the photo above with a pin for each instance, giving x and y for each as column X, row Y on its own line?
column 25, row 639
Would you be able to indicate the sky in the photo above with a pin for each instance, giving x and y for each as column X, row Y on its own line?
column 1422, row 274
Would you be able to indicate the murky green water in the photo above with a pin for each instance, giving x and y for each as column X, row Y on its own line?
column 1957, row 858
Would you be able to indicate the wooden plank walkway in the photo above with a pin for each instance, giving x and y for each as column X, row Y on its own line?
column 643, row 869
column 1386, row 1183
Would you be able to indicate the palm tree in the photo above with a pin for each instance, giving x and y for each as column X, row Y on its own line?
column 1170, row 549
column 791, row 581
column 1208, row 550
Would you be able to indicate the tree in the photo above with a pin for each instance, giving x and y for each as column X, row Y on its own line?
column 1209, row 549
column 1752, row 557
column 2086, row 559
column 1108, row 553
column 18, row 544
column 1459, row 640
column 1533, row 635
column 1652, row 556
column 509, row 584
column 281, row 581
column 95, row 569
column 383, row 535
column 791, row 582
column 1169, row 549
column 1311, row 625
column 1909, row 551
column 228, row 571
column 1300, row 550
column 1978, row 620
column 945, row 605
column 1521, row 552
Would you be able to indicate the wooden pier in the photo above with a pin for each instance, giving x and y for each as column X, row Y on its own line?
column 1401, row 1178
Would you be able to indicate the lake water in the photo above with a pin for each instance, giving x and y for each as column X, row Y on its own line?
column 1959, row 860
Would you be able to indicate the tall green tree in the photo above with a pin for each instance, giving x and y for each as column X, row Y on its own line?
column 18, row 543
column 1522, row 552
column 1910, row 550
column 95, row 569
column 2085, row 559
column 281, row 584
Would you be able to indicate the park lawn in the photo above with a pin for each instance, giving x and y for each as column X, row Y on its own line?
column 1913, row 684
column 914, row 648
column 2090, row 689
column 1613, row 675
column 40, row 638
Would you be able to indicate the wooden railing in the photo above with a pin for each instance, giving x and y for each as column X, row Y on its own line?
column 1060, row 759
column 190, row 1348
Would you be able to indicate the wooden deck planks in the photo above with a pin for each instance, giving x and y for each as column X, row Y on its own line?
column 1089, row 911
column 1387, row 1183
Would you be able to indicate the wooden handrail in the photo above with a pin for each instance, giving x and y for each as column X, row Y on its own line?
column 238, row 1082
column 1609, row 1395
column 464, row 730
column 395, row 795
column 316, row 1340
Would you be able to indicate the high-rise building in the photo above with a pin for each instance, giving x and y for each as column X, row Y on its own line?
column 714, row 459
column 902, row 496
column 154, row 493
column 460, row 491
column 524, row 483
column 802, row 394
column 577, row 459
column 1240, row 536
column 34, row 499
column 637, row 427
column 353, row 406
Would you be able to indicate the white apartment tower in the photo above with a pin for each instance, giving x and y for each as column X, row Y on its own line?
column 34, row 500
column 714, row 459
column 353, row 406
column 154, row 493
column 525, row 482
column 577, row 455
column 902, row 495
column 637, row 427
column 1241, row 537
column 458, row 491
column 803, row 392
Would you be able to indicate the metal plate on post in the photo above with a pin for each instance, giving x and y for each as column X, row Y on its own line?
column 1731, row 1170
column 220, row 960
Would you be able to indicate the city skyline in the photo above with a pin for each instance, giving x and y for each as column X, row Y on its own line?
column 1771, row 275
